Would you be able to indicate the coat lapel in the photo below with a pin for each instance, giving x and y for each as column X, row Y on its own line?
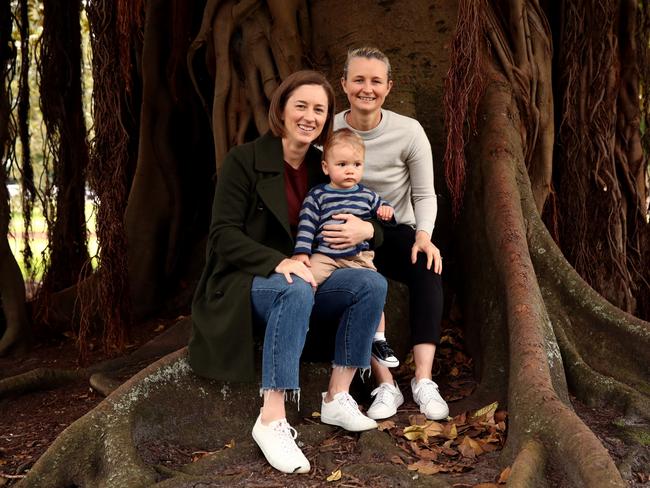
column 269, row 159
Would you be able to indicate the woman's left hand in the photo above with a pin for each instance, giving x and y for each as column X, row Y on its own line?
column 423, row 244
column 350, row 233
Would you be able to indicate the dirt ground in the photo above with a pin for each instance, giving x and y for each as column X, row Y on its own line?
column 30, row 422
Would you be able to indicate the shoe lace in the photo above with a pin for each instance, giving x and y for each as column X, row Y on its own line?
column 349, row 404
column 382, row 393
column 384, row 349
column 286, row 435
column 428, row 391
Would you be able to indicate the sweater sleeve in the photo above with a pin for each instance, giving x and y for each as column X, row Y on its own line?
column 307, row 225
column 423, row 194
column 377, row 202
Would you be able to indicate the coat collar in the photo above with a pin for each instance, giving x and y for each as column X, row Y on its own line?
column 270, row 158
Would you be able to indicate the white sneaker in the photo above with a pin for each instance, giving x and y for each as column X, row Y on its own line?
column 426, row 395
column 387, row 400
column 344, row 412
column 277, row 442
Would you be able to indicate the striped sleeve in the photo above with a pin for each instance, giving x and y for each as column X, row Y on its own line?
column 377, row 202
column 307, row 225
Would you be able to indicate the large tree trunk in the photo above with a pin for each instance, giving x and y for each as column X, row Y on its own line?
column 14, row 322
column 170, row 197
column 535, row 327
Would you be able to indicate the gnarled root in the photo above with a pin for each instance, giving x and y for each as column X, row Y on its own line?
column 37, row 379
column 165, row 402
column 538, row 399
column 105, row 376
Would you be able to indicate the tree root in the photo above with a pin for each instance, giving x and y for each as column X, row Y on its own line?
column 104, row 376
column 538, row 399
column 164, row 402
column 528, row 466
column 595, row 389
column 38, row 379
column 103, row 384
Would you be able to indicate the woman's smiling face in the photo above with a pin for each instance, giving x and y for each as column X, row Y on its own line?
column 305, row 113
column 366, row 84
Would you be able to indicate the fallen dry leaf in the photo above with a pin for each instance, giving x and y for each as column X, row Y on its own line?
column 415, row 432
column 425, row 467
column 315, row 414
column 335, row 476
column 425, row 454
column 434, row 429
column 417, row 419
column 485, row 414
column 486, row 485
column 386, row 425
column 505, row 474
column 461, row 419
column 396, row 460
column 451, row 432
column 466, row 449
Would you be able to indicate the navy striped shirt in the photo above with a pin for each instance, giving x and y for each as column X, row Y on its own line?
column 321, row 203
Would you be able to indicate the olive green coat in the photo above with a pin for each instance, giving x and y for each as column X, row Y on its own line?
column 249, row 236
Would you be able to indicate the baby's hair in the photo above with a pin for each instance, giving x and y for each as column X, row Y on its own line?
column 342, row 136
column 367, row 52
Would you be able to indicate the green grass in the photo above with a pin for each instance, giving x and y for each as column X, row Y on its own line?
column 38, row 242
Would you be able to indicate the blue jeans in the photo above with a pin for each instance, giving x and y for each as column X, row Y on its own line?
column 353, row 297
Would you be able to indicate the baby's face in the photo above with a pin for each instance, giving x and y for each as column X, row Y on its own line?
column 344, row 165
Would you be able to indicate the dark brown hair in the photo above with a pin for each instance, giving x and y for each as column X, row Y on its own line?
column 343, row 136
column 284, row 91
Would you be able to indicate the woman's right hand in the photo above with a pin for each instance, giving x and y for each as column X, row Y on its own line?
column 287, row 267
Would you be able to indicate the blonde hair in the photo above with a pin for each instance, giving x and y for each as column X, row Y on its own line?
column 367, row 52
column 341, row 136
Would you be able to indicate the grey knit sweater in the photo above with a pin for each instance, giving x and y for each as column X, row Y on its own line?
column 399, row 166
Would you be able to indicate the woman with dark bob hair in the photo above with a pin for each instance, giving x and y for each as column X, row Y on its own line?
column 249, row 277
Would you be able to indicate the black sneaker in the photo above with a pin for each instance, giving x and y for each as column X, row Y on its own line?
column 384, row 354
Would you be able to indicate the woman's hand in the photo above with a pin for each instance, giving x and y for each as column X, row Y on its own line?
column 348, row 234
column 292, row 266
column 423, row 244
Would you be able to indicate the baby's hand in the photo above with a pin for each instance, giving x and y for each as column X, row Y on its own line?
column 385, row 212
column 303, row 258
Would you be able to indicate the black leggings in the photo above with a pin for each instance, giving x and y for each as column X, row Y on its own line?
column 393, row 260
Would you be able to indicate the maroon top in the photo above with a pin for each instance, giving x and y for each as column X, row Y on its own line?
column 295, row 187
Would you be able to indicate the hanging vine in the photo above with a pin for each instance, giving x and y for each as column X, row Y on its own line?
column 464, row 87
column 601, row 170
column 519, row 36
column 28, row 187
column 66, row 151
column 115, row 29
